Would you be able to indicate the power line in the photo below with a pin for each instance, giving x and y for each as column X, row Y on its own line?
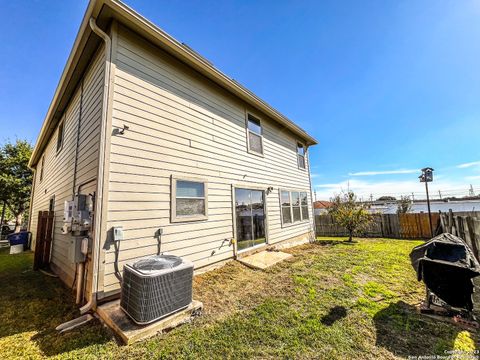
column 441, row 194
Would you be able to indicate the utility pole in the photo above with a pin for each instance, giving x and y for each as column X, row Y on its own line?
column 440, row 194
column 426, row 177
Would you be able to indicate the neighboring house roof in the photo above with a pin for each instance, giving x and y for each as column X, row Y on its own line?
column 321, row 204
column 86, row 42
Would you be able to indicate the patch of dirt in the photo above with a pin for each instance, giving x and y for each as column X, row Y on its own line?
column 235, row 288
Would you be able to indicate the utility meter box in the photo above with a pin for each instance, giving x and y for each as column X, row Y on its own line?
column 82, row 213
column 76, row 252
column 68, row 211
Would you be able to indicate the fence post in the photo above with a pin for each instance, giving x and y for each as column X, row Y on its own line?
column 470, row 226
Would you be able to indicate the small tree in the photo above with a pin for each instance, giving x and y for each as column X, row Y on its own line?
column 349, row 213
column 16, row 178
column 404, row 205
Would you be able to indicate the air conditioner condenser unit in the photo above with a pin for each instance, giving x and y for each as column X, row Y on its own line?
column 155, row 287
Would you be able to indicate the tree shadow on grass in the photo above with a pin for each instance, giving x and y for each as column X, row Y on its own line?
column 335, row 313
column 31, row 302
column 405, row 332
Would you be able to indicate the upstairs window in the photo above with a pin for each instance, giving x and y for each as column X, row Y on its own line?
column 255, row 137
column 301, row 156
column 294, row 206
column 189, row 200
column 51, row 204
column 60, row 133
column 42, row 164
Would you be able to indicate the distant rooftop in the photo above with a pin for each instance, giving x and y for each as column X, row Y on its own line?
column 322, row 204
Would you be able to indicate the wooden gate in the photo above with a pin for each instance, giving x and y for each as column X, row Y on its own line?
column 43, row 240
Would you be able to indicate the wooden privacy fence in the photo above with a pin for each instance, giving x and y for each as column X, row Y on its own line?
column 400, row 226
column 464, row 226
column 43, row 240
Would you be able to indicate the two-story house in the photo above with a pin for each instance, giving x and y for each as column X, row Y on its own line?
column 173, row 155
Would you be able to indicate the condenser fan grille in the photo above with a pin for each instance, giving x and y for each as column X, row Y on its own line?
column 160, row 262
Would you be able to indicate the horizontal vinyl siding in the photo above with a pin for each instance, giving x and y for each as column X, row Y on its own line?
column 58, row 176
column 183, row 125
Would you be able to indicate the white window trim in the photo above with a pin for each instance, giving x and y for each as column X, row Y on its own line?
column 256, row 117
column 293, row 223
column 304, row 155
column 173, row 207
column 63, row 135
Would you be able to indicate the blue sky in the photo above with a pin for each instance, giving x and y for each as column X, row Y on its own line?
column 387, row 87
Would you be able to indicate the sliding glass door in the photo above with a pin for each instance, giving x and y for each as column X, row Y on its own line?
column 250, row 218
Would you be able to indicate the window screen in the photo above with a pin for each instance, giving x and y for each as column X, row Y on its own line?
column 255, row 139
column 301, row 156
column 60, row 136
column 190, row 200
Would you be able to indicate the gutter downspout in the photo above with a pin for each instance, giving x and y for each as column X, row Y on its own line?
column 92, row 302
column 80, row 266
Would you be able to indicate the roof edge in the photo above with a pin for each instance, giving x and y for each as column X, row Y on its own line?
column 93, row 7
column 204, row 66
column 184, row 53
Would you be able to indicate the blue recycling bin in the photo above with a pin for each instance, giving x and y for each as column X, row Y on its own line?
column 22, row 237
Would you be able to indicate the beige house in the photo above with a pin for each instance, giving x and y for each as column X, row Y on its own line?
column 170, row 154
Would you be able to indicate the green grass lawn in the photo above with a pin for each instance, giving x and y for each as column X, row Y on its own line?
column 331, row 300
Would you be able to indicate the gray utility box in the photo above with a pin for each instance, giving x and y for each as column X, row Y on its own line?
column 155, row 287
column 75, row 254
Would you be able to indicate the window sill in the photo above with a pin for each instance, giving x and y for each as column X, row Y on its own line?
column 180, row 219
column 295, row 223
column 255, row 153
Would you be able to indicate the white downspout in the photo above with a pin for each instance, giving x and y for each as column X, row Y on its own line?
column 101, row 160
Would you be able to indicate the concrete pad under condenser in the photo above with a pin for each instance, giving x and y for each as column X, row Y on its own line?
column 264, row 259
column 130, row 332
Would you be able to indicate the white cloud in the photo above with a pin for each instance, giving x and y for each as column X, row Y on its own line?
column 386, row 172
column 467, row 165
column 476, row 177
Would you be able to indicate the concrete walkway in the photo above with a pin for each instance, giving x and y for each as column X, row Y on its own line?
column 264, row 259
